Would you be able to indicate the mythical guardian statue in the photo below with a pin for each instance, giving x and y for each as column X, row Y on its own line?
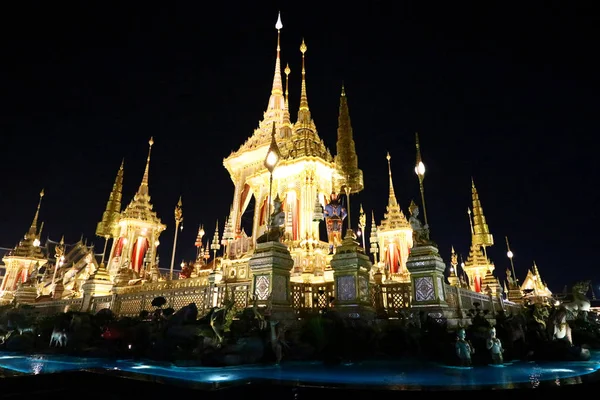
column 275, row 227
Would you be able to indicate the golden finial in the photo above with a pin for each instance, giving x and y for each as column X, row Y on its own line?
column 392, row 201
column 278, row 24
column 33, row 228
column 143, row 190
column 303, row 113
column 287, row 80
column 343, row 90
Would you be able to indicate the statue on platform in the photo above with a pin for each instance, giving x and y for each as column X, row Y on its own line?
column 335, row 214
column 463, row 348
column 420, row 231
column 494, row 345
column 276, row 221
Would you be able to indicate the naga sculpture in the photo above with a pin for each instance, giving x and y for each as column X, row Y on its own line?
column 220, row 319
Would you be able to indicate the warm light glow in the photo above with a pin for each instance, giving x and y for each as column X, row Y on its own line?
column 144, row 231
column 462, row 265
column 420, row 169
column 201, row 232
column 156, row 243
column 509, row 254
column 182, row 264
column 125, row 240
column 278, row 25
column 272, row 159
column 36, row 242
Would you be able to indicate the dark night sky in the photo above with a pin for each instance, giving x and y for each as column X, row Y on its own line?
column 506, row 94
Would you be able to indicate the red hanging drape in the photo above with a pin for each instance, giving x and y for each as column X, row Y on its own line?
column 139, row 252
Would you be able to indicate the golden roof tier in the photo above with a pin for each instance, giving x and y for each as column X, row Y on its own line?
column 107, row 227
column 534, row 286
column 346, row 160
column 140, row 208
column 276, row 111
column 305, row 141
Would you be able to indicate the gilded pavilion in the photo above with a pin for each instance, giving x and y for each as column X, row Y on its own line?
column 307, row 178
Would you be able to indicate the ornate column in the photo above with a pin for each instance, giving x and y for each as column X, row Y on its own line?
column 351, row 267
column 270, row 266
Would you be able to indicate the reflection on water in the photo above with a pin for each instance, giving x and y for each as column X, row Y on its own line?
column 398, row 374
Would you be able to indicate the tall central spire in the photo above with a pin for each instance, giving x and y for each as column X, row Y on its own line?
column 143, row 190
column 392, row 201
column 277, row 101
column 481, row 231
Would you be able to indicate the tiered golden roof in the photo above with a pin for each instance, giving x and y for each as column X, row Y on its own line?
column 346, row 160
column 305, row 139
column 140, row 207
column 394, row 218
column 481, row 231
column 477, row 258
column 107, row 228
column 276, row 110
column 28, row 248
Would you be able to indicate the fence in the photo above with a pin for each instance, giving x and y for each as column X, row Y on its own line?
column 388, row 300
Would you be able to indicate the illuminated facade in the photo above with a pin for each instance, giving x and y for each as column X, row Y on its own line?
column 394, row 236
column 136, row 233
column 534, row 286
column 305, row 174
column 24, row 259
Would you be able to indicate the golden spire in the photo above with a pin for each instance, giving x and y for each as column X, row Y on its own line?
column 304, row 112
column 110, row 217
column 392, row 200
column 277, row 101
column 143, row 190
column 346, row 160
column 33, row 228
column 481, row 231
column 287, row 84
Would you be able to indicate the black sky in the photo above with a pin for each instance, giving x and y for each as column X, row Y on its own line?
column 506, row 93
